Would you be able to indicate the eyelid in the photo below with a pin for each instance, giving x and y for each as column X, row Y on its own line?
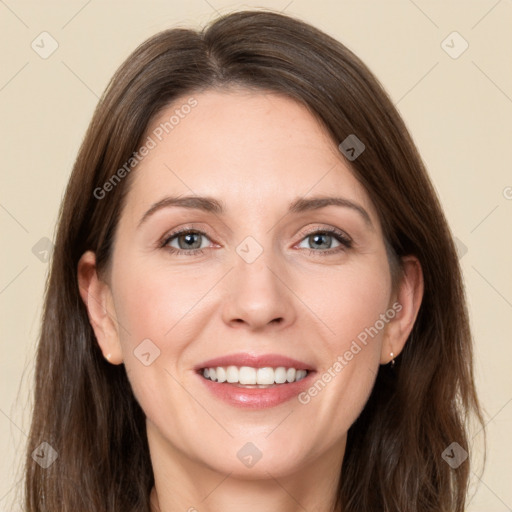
column 345, row 242
column 164, row 240
column 330, row 230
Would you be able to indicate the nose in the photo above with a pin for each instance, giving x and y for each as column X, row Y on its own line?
column 257, row 295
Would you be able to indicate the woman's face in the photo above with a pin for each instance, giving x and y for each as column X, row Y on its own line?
column 266, row 271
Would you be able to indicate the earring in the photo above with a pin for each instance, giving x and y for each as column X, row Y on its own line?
column 392, row 360
column 108, row 356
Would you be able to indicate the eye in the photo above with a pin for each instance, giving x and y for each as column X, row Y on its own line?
column 186, row 241
column 192, row 241
column 326, row 239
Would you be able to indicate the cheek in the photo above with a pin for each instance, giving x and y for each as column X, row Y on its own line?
column 152, row 309
column 160, row 312
column 156, row 301
column 354, row 307
column 352, row 301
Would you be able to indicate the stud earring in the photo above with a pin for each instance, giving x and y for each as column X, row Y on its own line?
column 108, row 356
column 392, row 360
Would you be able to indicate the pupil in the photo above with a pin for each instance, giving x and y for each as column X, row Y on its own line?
column 317, row 240
column 189, row 240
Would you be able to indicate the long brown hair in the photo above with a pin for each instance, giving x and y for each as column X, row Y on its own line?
column 84, row 407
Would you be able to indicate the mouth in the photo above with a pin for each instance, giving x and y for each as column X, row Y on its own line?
column 255, row 382
column 252, row 377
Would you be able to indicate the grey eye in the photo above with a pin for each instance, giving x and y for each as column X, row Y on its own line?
column 188, row 240
column 320, row 240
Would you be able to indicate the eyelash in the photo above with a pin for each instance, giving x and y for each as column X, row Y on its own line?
column 342, row 238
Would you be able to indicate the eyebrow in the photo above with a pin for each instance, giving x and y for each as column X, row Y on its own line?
column 212, row 205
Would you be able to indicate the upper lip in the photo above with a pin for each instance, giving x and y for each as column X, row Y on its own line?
column 255, row 361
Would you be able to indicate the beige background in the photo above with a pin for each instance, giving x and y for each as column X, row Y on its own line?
column 459, row 111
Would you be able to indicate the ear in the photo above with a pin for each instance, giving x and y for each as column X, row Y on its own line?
column 98, row 300
column 406, row 304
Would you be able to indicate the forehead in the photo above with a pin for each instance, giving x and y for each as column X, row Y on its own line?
column 246, row 147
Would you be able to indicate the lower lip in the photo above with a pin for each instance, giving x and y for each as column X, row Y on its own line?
column 257, row 398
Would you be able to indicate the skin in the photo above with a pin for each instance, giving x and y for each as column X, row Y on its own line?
column 256, row 153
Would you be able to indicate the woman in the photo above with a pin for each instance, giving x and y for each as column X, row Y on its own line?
column 254, row 301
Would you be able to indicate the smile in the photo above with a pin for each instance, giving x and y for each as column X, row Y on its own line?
column 255, row 381
column 250, row 376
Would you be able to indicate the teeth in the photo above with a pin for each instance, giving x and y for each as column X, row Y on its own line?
column 280, row 375
column 232, row 374
column 247, row 375
column 290, row 374
column 221, row 374
column 265, row 376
